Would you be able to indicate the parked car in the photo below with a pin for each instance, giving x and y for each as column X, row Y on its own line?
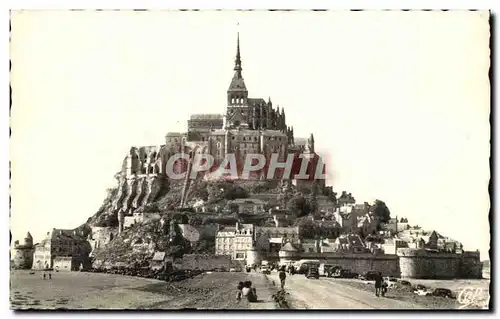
column 369, row 275
column 404, row 282
column 348, row 274
column 442, row 292
column 327, row 270
column 232, row 270
column 420, row 287
column 312, row 272
column 421, row 292
column 344, row 273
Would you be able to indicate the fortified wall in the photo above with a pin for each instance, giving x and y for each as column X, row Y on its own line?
column 408, row 263
column 423, row 264
column 207, row 262
column 388, row 265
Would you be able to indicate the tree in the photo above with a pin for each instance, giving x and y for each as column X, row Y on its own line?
column 286, row 193
column 381, row 211
column 176, row 251
column 299, row 206
column 307, row 228
column 199, row 189
column 235, row 192
column 181, row 218
column 234, row 208
column 313, row 201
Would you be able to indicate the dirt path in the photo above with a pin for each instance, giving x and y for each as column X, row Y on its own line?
column 75, row 290
column 325, row 293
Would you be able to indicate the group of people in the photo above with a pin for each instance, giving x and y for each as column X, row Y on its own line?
column 245, row 290
column 380, row 285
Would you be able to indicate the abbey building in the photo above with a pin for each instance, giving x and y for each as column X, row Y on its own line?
column 248, row 126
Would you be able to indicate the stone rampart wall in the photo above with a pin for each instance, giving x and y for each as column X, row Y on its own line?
column 422, row 264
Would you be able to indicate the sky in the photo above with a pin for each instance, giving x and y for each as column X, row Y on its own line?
column 398, row 103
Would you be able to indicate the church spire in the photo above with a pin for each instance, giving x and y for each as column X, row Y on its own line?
column 237, row 93
column 237, row 62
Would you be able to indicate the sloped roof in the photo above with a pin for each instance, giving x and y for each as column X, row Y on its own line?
column 247, row 201
column 300, row 141
column 208, row 116
column 64, row 258
column 65, row 234
column 276, row 231
column 237, row 83
column 352, row 240
column 288, row 247
column 257, row 101
column 227, row 229
column 159, row 256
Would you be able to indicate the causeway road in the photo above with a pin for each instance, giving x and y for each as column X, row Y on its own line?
column 326, row 293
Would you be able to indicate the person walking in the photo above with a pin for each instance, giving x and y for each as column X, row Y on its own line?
column 282, row 276
column 378, row 284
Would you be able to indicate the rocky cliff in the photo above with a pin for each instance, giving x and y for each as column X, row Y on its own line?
column 155, row 196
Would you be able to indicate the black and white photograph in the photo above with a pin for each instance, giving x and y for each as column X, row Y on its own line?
column 250, row 159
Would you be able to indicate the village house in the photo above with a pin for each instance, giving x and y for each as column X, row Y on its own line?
column 248, row 205
column 319, row 246
column 235, row 241
column 325, row 206
column 238, row 240
column 396, row 225
column 160, row 260
column 349, row 243
column 391, row 245
column 62, row 243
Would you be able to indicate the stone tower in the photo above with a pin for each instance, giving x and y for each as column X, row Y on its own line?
column 237, row 95
column 28, row 240
column 23, row 257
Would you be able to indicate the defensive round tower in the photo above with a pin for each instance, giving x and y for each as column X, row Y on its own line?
column 423, row 264
column 23, row 254
column 410, row 262
column 28, row 240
